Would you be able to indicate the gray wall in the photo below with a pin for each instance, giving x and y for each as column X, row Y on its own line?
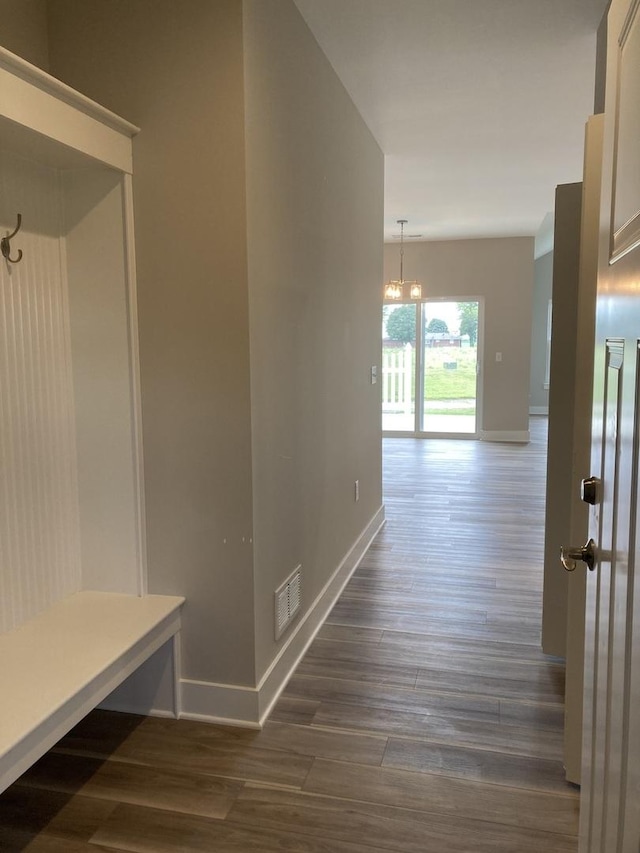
column 180, row 78
column 500, row 272
column 601, row 64
column 258, row 238
column 23, row 30
column 315, row 212
column 542, row 286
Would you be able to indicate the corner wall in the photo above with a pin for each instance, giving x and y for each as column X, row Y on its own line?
column 500, row 272
column 259, row 253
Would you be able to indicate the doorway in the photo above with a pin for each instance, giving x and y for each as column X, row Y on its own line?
column 430, row 367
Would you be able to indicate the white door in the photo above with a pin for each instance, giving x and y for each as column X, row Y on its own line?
column 581, row 444
column 610, row 808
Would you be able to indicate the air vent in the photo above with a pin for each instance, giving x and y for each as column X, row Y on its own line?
column 287, row 601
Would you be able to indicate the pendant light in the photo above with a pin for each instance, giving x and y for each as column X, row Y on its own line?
column 394, row 289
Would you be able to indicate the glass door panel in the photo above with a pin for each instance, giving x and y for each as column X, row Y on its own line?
column 449, row 362
column 399, row 367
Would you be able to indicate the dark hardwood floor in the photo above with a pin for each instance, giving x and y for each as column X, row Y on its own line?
column 423, row 719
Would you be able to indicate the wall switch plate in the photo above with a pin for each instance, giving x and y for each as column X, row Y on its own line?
column 374, row 374
column 498, row 356
column 356, row 490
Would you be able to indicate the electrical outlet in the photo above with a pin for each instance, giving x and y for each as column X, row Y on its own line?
column 356, row 490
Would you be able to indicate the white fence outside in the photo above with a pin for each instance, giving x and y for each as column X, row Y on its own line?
column 397, row 380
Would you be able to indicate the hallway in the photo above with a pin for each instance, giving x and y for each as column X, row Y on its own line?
column 423, row 719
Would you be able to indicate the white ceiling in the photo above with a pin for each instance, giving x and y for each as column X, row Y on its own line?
column 478, row 105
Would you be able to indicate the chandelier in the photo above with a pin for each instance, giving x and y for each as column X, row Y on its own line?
column 394, row 289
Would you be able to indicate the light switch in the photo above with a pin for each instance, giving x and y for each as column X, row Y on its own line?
column 374, row 374
column 498, row 356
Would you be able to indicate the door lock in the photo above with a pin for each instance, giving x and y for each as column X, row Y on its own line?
column 589, row 490
column 586, row 554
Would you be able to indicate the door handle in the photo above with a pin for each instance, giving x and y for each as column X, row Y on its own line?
column 585, row 554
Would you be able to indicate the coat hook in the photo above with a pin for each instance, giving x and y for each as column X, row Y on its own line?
column 5, row 243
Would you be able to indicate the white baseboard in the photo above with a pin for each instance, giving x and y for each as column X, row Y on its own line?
column 538, row 410
column 236, row 705
column 225, row 704
column 516, row 435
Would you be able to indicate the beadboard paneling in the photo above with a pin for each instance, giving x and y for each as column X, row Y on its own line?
column 39, row 535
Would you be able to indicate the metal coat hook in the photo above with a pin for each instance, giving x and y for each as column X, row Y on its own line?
column 5, row 244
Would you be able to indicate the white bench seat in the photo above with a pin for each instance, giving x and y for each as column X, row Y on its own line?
column 62, row 663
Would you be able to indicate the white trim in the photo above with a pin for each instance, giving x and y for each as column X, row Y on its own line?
column 513, row 435
column 59, row 90
column 467, row 436
column 222, row 721
column 134, row 372
column 227, row 704
column 237, row 705
column 538, row 410
column 42, row 117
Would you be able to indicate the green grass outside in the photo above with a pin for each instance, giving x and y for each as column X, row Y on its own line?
column 449, row 384
column 442, row 384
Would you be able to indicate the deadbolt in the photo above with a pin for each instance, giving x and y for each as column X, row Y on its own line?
column 589, row 490
column 586, row 554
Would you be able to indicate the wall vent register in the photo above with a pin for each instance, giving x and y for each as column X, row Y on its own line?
column 287, row 601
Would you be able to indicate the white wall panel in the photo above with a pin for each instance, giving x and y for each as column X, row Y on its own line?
column 39, row 537
column 103, row 381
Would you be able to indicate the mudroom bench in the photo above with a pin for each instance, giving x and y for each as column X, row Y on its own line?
column 62, row 663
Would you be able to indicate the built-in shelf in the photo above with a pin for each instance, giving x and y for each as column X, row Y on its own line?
column 75, row 616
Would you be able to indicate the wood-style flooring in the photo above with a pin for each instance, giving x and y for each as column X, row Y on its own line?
column 423, row 719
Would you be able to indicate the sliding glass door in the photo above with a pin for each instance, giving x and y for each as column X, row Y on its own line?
column 430, row 367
